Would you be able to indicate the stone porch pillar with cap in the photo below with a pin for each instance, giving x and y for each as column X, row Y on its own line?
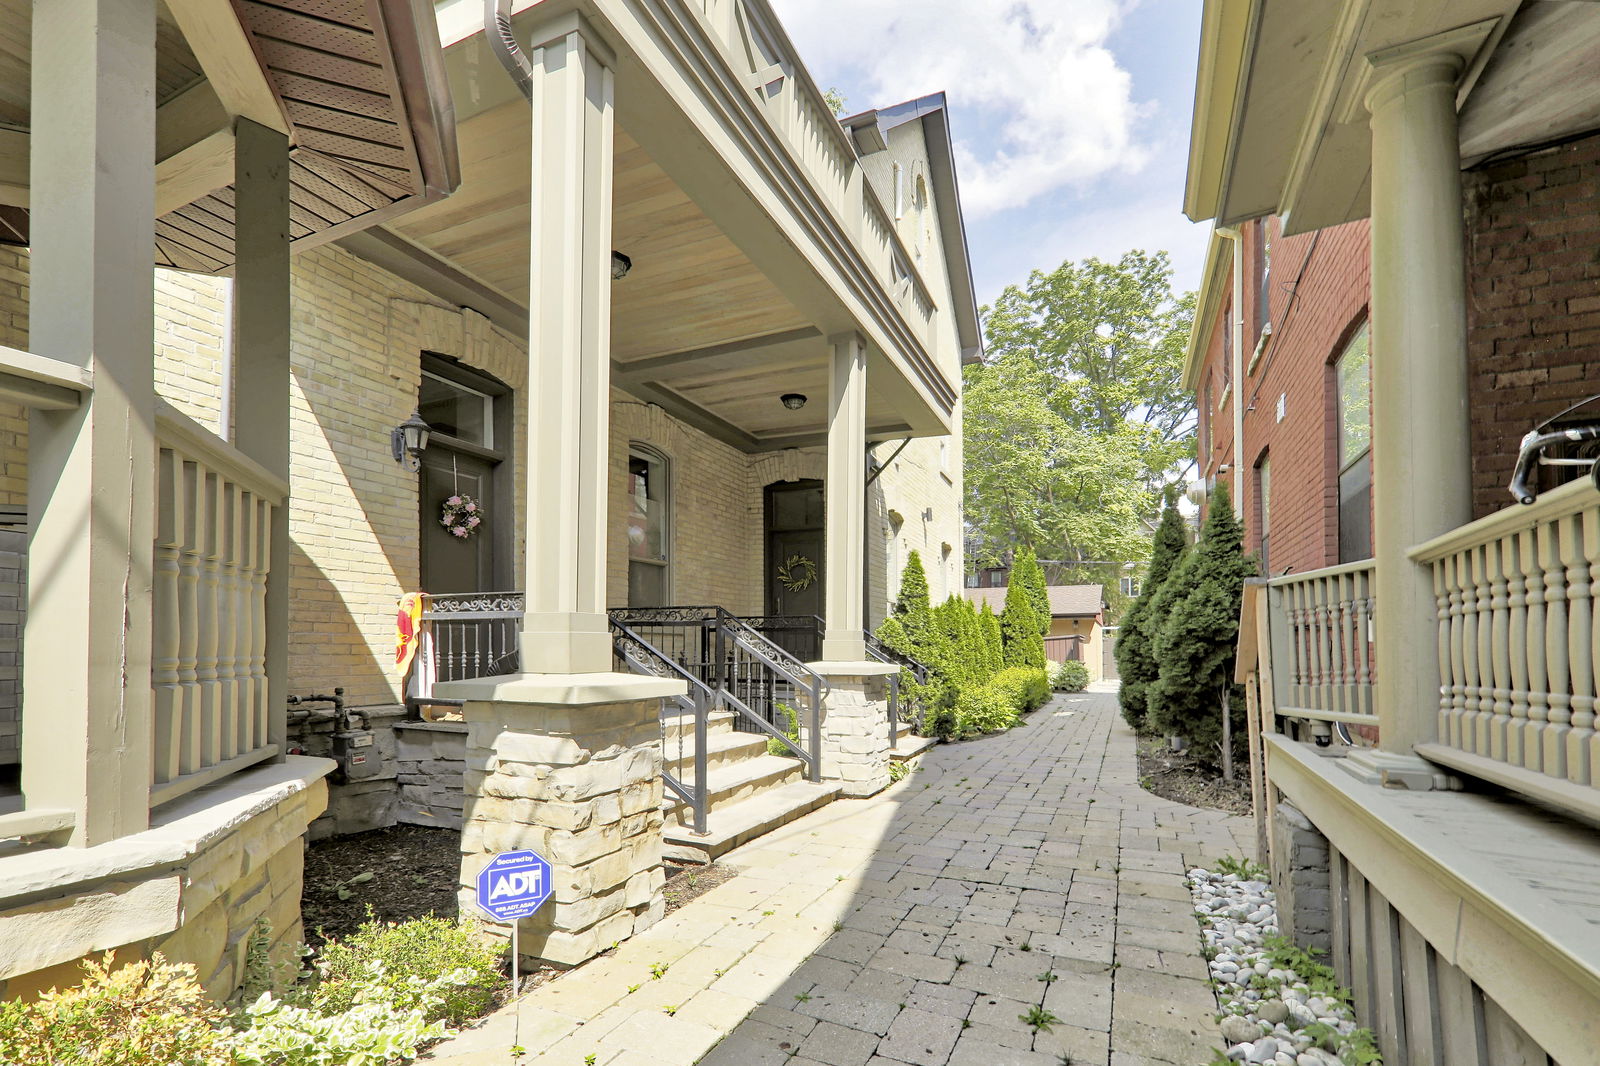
column 565, row 758
column 855, row 712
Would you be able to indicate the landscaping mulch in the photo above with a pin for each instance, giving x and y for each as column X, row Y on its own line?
column 403, row 872
column 1176, row 776
column 688, row 880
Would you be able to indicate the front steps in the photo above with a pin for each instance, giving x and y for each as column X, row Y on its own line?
column 908, row 746
column 751, row 792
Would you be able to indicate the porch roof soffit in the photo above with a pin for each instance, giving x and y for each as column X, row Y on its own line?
column 681, row 93
column 1279, row 124
column 358, row 87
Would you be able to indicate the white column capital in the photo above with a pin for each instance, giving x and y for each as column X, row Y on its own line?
column 1428, row 62
column 564, row 27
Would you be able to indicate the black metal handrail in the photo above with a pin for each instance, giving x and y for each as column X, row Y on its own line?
column 464, row 635
column 642, row 657
column 889, row 656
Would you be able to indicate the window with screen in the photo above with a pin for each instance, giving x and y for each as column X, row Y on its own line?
column 1353, row 393
column 649, row 528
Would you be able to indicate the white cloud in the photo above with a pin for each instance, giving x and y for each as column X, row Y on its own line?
column 1038, row 98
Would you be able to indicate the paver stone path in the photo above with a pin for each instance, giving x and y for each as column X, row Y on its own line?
column 1021, row 874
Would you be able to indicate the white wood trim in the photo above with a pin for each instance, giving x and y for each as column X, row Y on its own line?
column 176, row 430
column 1557, row 503
column 36, row 822
column 196, row 171
column 14, row 178
column 222, row 45
column 41, row 381
column 168, row 791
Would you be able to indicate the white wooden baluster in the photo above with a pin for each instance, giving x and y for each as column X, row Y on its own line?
column 206, row 661
column 166, row 710
column 1499, row 635
column 244, row 623
column 1471, row 581
column 1553, row 757
column 1516, row 645
column 1364, row 642
column 1483, row 722
column 1328, row 613
column 189, row 563
column 1591, row 551
column 1580, row 619
column 1537, row 701
column 258, row 627
column 227, row 622
column 1343, row 617
column 1445, row 602
column 1450, row 654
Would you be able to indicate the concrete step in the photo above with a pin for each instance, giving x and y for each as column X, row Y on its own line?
column 722, row 749
column 908, row 747
column 741, row 780
column 730, row 824
column 672, row 725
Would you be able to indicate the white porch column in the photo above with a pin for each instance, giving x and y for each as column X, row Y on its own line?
column 569, row 350
column 844, row 569
column 1421, row 476
column 261, row 359
column 91, row 471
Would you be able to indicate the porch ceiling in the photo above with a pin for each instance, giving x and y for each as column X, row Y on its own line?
column 357, row 85
column 696, row 327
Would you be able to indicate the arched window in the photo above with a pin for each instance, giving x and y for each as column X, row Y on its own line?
column 649, row 528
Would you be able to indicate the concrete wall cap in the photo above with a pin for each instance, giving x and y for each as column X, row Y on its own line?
column 561, row 690
column 871, row 668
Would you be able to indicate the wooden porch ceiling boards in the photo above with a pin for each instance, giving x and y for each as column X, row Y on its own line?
column 360, row 90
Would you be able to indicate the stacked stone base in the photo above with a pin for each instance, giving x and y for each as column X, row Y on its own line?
column 193, row 887
column 581, row 786
column 855, row 727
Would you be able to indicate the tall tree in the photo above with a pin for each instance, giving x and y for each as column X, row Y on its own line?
column 1019, row 629
column 1195, row 696
column 1136, row 663
column 1027, row 570
column 1079, row 416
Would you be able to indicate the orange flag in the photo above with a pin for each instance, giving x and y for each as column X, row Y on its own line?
column 407, row 630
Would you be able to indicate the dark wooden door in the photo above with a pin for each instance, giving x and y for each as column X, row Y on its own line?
column 450, row 563
column 794, row 561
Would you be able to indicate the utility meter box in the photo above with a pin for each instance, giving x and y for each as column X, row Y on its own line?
column 354, row 751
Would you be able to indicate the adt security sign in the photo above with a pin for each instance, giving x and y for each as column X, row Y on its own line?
column 513, row 885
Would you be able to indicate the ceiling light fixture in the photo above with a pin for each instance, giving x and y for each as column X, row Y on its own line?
column 793, row 400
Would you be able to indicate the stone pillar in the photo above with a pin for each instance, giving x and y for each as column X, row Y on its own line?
column 569, row 350
column 855, row 726
column 846, row 492
column 261, row 368
column 1421, row 475
column 572, row 772
column 92, row 469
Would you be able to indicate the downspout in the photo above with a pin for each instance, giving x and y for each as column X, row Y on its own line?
column 497, row 29
column 1237, row 372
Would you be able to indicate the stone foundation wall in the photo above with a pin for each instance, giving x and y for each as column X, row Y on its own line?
column 431, row 761
column 193, row 886
column 1300, row 878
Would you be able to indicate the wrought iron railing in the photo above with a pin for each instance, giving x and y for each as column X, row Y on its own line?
column 464, row 635
column 752, row 675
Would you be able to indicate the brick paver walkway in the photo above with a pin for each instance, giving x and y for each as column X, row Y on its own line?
column 1027, row 871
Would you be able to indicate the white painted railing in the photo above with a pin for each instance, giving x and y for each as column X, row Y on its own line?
column 1320, row 625
column 1519, row 635
column 213, row 528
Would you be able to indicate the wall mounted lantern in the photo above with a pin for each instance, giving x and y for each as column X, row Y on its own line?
column 408, row 441
column 793, row 400
column 620, row 265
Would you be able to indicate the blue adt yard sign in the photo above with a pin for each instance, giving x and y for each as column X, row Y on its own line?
column 513, row 885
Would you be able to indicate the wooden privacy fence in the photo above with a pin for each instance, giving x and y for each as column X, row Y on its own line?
column 1518, row 637
column 211, row 703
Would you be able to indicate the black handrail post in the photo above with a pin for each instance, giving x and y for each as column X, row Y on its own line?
column 816, row 729
column 702, row 784
column 894, row 709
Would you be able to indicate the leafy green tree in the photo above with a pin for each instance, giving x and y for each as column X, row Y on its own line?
column 1019, row 629
column 1027, row 570
column 1194, row 695
column 1079, row 415
column 1136, row 663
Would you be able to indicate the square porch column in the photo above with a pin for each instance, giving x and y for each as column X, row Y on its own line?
column 92, row 469
column 565, row 757
column 1422, row 477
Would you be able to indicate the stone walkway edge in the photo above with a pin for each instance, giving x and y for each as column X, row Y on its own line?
column 1021, row 875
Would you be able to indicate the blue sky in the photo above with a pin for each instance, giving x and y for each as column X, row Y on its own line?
column 1071, row 116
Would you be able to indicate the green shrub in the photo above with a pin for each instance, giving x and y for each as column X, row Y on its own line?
column 367, row 1034
column 1025, row 687
column 943, row 723
column 143, row 1014
column 398, row 964
column 792, row 731
column 1070, row 676
column 985, row 709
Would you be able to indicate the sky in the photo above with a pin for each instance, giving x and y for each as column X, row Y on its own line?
column 1071, row 117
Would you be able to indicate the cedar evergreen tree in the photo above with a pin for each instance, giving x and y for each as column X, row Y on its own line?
column 1195, row 645
column 1019, row 629
column 912, row 608
column 989, row 626
column 1136, row 664
column 1027, row 570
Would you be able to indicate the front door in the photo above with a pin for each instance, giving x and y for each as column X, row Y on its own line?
column 794, row 548
column 451, row 563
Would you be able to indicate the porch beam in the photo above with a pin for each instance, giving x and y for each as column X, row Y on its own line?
column 38, row 381
column 686, row 410
column 1421, row 448
column 91, row 468
column 222, row 45
column 262, row 369
column 845, row 501
column 661, row 367
column 565, row 630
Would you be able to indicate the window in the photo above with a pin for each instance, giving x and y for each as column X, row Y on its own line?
column 649, row 530
column 456, row 410
column 1264, row 508
column 1353, row 393
column 1205, row 424
column 1263, row 306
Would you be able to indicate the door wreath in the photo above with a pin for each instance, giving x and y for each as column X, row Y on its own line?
column 462, row 516
column 797, row 573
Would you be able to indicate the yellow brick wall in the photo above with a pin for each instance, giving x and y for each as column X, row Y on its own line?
column 192, row 328
column 13, row 334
